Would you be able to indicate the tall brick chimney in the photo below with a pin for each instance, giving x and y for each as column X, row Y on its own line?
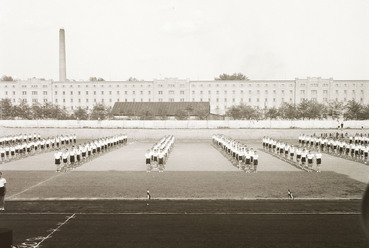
column 62, row 63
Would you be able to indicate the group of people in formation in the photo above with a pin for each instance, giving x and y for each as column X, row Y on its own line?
column 24, row 145
column 355, row 147
column 157, row 156
column 70, row 157
column 300, row 156
column 240, row 154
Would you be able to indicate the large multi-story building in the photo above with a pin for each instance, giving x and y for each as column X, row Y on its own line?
column 220, row 94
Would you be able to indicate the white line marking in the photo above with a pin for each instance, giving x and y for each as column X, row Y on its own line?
column 56, row 229
column 33, row 186
column 176, row 199
column 207, row 213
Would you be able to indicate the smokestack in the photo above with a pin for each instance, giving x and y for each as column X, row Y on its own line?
column 62, row 63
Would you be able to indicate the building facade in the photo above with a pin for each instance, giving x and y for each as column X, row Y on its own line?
column 220, row 94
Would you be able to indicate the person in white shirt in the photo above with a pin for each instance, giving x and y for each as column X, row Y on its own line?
column 2, row 191
column 256, row 161
column 318, row 157
column 148, row 160
column 57, row 156
column 2, row 154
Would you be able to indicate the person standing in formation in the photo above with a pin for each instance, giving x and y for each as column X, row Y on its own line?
column 2, row 191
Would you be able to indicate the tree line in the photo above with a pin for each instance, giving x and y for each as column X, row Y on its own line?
column 36, row 111
column 307, row 109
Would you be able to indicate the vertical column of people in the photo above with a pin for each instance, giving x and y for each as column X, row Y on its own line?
column 157, row 156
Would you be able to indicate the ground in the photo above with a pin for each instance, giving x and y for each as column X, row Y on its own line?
column 200, row 200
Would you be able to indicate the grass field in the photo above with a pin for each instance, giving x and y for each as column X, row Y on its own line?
column 200, row 200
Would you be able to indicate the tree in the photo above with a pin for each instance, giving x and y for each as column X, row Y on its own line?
column 6, row 108
column 181, row 114
column 37, row 111
column 80, row 114
column 95, row 79
column 234, row 76
column 353, row 110
column 146, row 115
column 202, row 112
column 288, row 111
column 272, row 113
column 99, row 112
column 23, row 111
column 133, row 79
column 234, row 112
column 163, row 112
column 335, row 109
column 6, row 78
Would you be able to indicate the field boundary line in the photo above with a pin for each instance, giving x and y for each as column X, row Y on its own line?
column 193, row 213
column 56, row 229
column 33, row 186
column 175, row 199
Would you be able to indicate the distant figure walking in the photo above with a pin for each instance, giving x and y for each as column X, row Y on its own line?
column 2, row 191
column 148, row 194
column 290, row 195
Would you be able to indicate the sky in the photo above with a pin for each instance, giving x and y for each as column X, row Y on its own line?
column 194, row 39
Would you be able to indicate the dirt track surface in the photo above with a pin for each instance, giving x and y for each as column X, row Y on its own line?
column 186, row 223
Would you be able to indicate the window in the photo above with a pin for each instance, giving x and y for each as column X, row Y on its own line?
column 33, row 93
column 250, row 92
column 217, row 92
column 56, row 100
column 149, row 92
column 233, row 92
column 71, row 92
column 34, row 100
column 181, row 92
column 273, row 99
column 201, row 92
column 249, row 99
column 94, row 93
column 63, row 100
column 87, row 100
column 110, row 92
column 345, row 91
column 87, row 93
column 118, row 92
column 233, row 100
column 266, row 91
column 182, row 99
column 257, row 99
column 274, row 91
column 160, row 99
column 79, row 93
column 160, row 92
column 302, row 92
column 353, row 92
column 45, row 93
column 71, row 100
column 79, row 99
column 325, row 99
column 314, row 92
column 258, row 92
column 225, row 99
column 171, row 99
column 241, row 91
column 193, row 92
column 325, row 91
column 102, row 92
column 171, row 92
column 24, row 92
column 133, row 92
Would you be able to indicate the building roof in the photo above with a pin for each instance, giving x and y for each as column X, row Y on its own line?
column 156, row 108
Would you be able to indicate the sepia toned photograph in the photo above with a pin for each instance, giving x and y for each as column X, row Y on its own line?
column 181, row 124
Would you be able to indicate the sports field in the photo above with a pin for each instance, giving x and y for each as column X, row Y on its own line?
column 200, row 200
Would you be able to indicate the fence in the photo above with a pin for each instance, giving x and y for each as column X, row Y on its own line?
column 182, row 124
